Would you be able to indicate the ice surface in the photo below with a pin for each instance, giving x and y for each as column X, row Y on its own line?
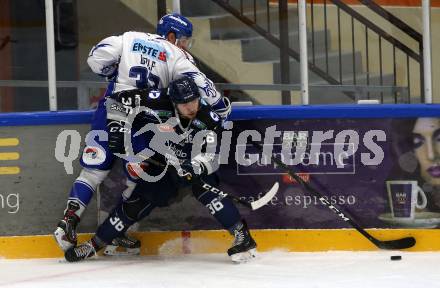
column 270, row 269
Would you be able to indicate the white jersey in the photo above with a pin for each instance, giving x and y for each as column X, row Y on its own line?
column 142, row 60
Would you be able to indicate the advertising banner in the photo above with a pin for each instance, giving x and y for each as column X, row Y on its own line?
column 384, row 172
column 34, row 184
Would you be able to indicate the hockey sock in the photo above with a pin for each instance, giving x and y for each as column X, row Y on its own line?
column 122, row 217
column 85, row 186
column 114, row 226
column 223, row 209
column 81, row 194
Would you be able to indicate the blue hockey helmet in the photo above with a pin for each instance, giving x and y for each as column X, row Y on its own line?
column 183, row 90
column 176, row 23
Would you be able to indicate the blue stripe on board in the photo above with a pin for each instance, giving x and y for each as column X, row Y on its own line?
column 46, row 118
column 248, row 113
column 336, row 111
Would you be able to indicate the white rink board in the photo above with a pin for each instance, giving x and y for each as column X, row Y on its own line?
column 271, row 269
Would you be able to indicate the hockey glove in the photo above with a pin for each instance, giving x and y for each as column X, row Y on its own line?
column 191, row 170
column 110, row 72
column 116, row 137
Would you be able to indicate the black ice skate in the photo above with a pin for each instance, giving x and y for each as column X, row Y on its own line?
column 65, row 234
column 123, row 246
column 80, row 252
column 244, row 247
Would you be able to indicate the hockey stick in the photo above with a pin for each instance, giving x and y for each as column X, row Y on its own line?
column 402, row 243
column 254, row 205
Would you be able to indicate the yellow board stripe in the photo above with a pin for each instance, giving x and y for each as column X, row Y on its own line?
column 9, row 142
column 213, row 241
column 9, row 156
column 9, row 170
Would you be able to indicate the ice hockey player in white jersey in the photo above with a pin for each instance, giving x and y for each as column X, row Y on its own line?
column 130, row 61
column 142, row 60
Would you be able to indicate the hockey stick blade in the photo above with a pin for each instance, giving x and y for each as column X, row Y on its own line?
column 251, row 205
column 266, row 198
column 397, row 244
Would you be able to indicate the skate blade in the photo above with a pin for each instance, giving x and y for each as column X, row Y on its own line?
column 244, row 257
column 63, row 244
column 112, row 250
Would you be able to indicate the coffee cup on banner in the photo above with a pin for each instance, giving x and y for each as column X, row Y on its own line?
column 404, row 196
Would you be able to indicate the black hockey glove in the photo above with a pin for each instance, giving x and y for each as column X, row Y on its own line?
column 191, row 170
column 116, row 136
column 206, row 119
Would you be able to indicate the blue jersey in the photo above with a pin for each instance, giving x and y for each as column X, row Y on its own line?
column 166, row 142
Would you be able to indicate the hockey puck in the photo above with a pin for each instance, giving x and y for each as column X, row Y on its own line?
column 396, row 257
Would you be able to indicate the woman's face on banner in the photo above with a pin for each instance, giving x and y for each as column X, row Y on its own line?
column 426, row 143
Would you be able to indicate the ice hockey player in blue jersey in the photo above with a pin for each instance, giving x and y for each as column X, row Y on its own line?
column 183, row 103
column 130, row 61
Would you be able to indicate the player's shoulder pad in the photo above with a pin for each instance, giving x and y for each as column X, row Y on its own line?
column 151, row 98
column 158, row 99
column 206, row 119
column 133, row 32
